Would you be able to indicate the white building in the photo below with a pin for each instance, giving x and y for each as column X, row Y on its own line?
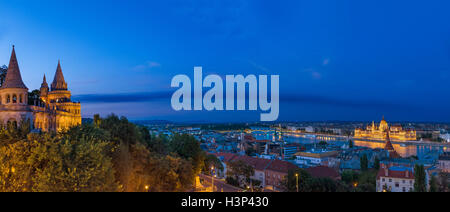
column 446, row 137
column 309, row 129
column 444, row 163
column 316, row 158
column 395, row 179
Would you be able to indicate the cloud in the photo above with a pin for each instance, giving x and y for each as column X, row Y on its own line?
column 284, row 98
column 338, row 102
column 147, row 65
column 123, row 97
column 313, row 73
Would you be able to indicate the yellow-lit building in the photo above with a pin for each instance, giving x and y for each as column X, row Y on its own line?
column 378, row 132
column 53, row 111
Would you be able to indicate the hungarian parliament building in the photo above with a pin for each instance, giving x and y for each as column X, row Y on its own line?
column 52, row 110
column 375, row 132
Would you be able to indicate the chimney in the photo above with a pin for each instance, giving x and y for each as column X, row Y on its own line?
column 407, row 173
column 386, row 172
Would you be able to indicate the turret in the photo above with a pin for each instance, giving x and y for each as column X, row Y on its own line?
column 58, row 82
column 13, row 90
column 44, row 89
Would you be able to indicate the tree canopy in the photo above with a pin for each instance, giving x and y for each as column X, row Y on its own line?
column 111, row 154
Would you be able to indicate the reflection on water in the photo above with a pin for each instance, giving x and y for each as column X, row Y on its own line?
column 404, row 150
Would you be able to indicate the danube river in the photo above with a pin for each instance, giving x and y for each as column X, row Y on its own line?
column 405, row 149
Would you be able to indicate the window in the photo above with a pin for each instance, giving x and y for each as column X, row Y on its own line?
column 403, row 181
column 397, row 185
column 404, row 189
column 8, row 99
column 390, row 180
column 14, row 98
column 20, row 98
column 382, row 179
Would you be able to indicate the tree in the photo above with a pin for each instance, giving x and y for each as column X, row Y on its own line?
column 443, row 184
column 113, row 155
column 169, row 174
column 323, row 143
column 349, row 177
column 433, row 184
column 364, row 163
column 240, row 170
column 34, row 97
column 289, row 183
column 74, row 166
column 419, row 178
column 97, row 120
column 212, row 161
column 376, row 164
column 187, row 147
column 3, row 71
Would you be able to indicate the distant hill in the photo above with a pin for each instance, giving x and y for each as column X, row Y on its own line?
column 152, row 122
column 87, row 120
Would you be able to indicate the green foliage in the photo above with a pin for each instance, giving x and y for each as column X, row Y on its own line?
column 212, row 161
column 33, row 97
column 323, row 143
column 46, row 163
column 307, row 183
column 433, row 184
column 97, row 120
column 443, row 182
column 3, row 71
column 376, row 164
column 419, row 179
column 110, row 154
column 364, row 163
column 232, row 181
column 360, row 181
column 290, row 182
column 239, row 169
column 350, row 144
column 188, row 147
column 74, row 166
column 349, row 177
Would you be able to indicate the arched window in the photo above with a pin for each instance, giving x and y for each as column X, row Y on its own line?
column 14, row 98
column 8, row 98
column 1, row 100
column 20, row 98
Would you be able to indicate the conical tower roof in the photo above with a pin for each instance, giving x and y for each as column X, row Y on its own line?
column 13, row 78
column 58, row 82
column 388, row 145
column 44, row 83
column 390, row 148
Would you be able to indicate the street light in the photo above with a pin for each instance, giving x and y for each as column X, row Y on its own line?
column 296, row 176
column 212, row 178
column 146, row 188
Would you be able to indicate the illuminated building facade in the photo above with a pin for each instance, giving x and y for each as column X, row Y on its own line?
column 379, row 132
column 53, row 111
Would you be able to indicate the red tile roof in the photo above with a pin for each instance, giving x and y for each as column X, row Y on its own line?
column 322, row 172
column 257, row 163
column 395, row 174
column 227, row 157
column 281, row 166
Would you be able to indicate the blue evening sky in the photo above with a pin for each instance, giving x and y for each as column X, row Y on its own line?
column 337, row 60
